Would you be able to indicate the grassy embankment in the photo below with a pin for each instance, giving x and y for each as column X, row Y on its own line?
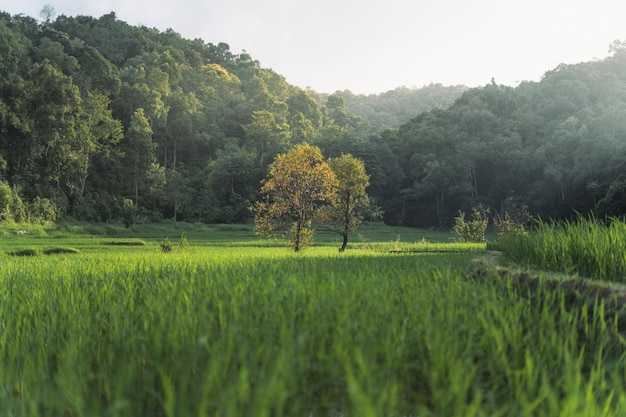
column 238, row 326
column 586, row 247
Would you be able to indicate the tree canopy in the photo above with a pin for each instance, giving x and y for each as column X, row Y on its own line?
column 95, row 112
column 347, row 209
column 298, row 184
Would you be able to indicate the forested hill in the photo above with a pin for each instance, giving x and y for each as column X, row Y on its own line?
column 100, row 120
column 557, row 146
column 97, row 115
column 395, row 107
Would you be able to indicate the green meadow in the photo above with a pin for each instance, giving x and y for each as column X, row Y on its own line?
column 98, row 321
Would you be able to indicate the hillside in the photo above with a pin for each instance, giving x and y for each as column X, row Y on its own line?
column 396, row 107
column 104, row 121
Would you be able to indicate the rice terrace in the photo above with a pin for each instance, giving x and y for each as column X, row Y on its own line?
column 100, row 321
column 186, row 233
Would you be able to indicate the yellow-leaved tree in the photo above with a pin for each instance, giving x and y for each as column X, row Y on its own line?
column 297, row 185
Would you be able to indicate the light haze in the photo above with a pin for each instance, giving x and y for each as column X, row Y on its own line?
column 371, row 46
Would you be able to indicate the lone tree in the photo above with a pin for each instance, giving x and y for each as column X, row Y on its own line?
column 299, row 182
column 346, row 211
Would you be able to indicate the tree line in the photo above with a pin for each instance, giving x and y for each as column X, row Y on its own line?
column 393, row 108
column 108, row 121
column 557, row 147
column 104, row 121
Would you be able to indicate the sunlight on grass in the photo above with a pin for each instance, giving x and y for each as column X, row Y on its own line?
column 237, row 329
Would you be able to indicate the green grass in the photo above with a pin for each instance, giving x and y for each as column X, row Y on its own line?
column 145, row 238
column 586, row 247
column 236, row 326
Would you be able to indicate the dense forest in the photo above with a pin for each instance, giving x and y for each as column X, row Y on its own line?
column 104, row 121
column 396, row 107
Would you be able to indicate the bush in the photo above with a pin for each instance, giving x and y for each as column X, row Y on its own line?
column 42, row 211
column 183, row 243
column 471, row 230
column 6, row 201
column 165, row 245
column 18, row 210
column 511, row 224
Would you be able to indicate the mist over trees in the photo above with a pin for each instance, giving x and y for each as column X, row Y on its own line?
column 99, row 119
column 396, row 107
column 556, row 146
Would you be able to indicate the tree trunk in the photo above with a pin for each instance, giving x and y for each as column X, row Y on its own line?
column 136, row 181
column 346, row 224
column 83, row 182
column 344, row 234
column 474, row 180
column 296, row 237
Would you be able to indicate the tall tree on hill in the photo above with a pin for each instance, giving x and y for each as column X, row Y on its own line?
column 140, row 150
column 266, row 135
column 232, row 176
column 98, row 133
column 56, row 101
column 15, row 114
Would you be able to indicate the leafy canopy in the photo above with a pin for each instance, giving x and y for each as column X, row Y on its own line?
column 346, row 211
column 299, row 182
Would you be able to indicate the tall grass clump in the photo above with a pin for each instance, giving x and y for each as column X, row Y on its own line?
column 265, row 332
column 586, row 246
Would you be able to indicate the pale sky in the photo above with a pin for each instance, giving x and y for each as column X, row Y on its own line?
column 369, row 46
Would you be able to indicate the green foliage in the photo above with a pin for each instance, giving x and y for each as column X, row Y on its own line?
column 130, row 212
column 6, row 201
column 166, row 245
column 298, row 184
column 472, row 230
column 94, row 111
column 42, row 211
column 13, row 208
column 18, row 207
column 300, row 238
column 183, row 242
column 347, row 209
column 396, row 107
column 512, row 224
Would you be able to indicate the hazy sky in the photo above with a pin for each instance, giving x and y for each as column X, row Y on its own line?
column 370, row 46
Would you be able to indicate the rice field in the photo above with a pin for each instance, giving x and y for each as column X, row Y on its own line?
column 587, row 247
column 235, row 326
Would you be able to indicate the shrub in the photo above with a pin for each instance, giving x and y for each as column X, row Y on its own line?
column 18, row 210
column 511, row 224
column 183, row 243
column 471, row 230
column 165, row 245
column 42, row 211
